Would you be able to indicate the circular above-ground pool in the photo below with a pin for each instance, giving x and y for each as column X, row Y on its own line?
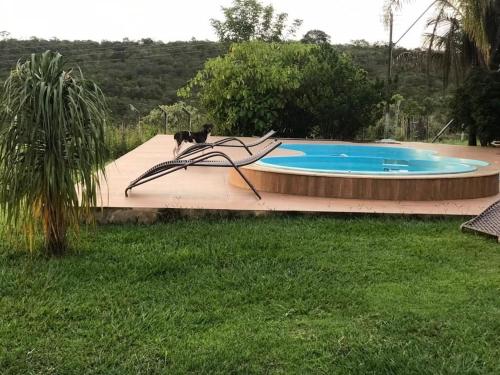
column 370, row 172
column 355, row 159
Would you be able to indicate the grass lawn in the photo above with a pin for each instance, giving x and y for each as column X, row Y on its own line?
column 259, row 295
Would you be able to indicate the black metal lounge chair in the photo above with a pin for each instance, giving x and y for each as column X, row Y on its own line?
column 488, row 222
column 225, row 143
column 171, row 166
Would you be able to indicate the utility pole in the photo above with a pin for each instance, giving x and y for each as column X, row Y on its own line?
column 133, row 109
column 391, row 48
column 165, row 115
column 391, row 63
column 189, row 116
column 389, row 76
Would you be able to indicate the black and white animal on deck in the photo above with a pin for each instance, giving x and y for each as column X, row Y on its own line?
column 192, row 137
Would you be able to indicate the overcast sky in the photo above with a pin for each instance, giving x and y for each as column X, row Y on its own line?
column 166, row 20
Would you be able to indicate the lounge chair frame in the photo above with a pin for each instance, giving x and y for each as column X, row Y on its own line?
column 224, row 143
column 487, row 223
column 172, row 166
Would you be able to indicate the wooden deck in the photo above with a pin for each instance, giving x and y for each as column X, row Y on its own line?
column 209, row 188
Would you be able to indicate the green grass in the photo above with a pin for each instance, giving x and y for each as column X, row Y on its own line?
column 261, row 295
column 453, row 141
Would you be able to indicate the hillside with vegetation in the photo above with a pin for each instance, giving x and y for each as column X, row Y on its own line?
column 144, row 73
column 147, row 73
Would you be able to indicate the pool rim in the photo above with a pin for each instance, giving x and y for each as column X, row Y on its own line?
column 481, row 183
column 323, row 172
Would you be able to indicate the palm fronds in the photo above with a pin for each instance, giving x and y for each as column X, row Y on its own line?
column 477, row 21
column 51, row 148
column 476, row 15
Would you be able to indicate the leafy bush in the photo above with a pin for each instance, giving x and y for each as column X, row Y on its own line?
column 147, row 74
column 251, row 20
column 141, row 73
column 295, row 88
column 476, row 104
column 247, row 90
column 125, row 138
column 337, row 95
column 179, row 115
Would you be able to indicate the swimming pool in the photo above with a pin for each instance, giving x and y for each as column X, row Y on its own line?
column 369, row 160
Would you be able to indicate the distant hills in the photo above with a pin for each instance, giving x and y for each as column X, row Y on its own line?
column 148, row 73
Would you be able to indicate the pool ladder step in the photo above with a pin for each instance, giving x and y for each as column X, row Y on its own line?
column 399, row 163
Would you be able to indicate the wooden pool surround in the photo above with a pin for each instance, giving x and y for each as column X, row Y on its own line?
column 479, row 184
column 200, row 190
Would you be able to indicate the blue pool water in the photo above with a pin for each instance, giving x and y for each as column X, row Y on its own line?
column 357, row 159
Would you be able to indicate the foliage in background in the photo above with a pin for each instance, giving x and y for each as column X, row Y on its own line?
column 178, row 119
column 147, row 73
column 336, row 94
column 143, row 73
column 412, row 120
column 294, row 88
column 463, row 35
column 467, row 31
column 52, row 138
column 249, row 20
column 245, row 92
column 124, row 138
column 315, row 37
column 476, row 105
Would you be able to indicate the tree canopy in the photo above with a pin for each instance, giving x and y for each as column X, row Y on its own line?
column 140, row 73
column 315, row 37
column 177, row 117
column 147, row 75
column 300, row 90
column 249, row 20
column 476, row 105
column 470, row 28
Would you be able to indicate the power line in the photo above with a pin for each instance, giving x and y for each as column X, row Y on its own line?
column 416, row 21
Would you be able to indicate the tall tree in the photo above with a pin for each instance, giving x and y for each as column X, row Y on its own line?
column 52, row 148
column 249, row 20
column 315, row 37
column 447, row 49
column 467, row 32
column 297, row 89
column 476, row 105
column 479, row 20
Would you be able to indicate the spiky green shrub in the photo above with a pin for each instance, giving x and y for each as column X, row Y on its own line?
column 52, row 149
